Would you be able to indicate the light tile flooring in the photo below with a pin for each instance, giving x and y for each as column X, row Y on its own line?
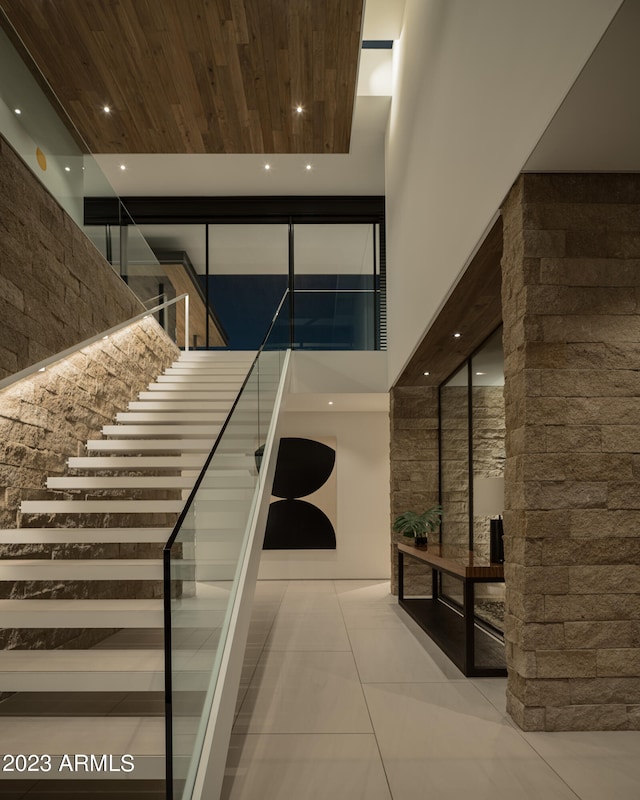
column 343, row 697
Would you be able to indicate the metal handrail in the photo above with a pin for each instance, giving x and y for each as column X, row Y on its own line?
column 41, row 366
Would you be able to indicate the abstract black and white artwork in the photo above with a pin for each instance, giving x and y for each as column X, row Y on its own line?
column 305, row 469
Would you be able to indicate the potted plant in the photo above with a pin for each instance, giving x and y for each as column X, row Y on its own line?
column 416, row 526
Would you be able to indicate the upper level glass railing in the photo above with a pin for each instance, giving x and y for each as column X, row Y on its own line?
column 335, row 319
column 203, row 561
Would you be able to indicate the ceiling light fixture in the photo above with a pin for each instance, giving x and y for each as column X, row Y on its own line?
column 17, row 111
column 267, row 167
column 299, row 109
column 123, row 167
column 457, row 335
column 481, row 373
column 425, row 373
column 67, row 169
column 330, row 402
column 308, row 167
column 107, row 109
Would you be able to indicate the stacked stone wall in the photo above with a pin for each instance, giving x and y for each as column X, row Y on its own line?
column 45, row 419
column 414, row 471
column 56, row 289
column 488, row 450
column 571, row 303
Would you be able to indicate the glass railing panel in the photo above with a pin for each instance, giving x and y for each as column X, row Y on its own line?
column 203, row 561
column 335, row 319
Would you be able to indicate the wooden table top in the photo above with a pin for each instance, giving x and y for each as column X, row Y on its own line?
column 454, row 560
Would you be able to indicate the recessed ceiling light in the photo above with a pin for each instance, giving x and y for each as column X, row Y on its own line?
column 123, row 167
column 67, row 169
column 107, row 109
column 299, row 109
column 308, row 167
column 330, row 402
column 17, row 111
column 425, row 373
column 481, row 373
column 457, row 335
column 267, row 167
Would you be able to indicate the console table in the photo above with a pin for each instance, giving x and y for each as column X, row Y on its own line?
column 470, row 646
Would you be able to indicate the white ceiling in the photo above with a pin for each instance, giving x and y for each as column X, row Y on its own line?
column 597, row 127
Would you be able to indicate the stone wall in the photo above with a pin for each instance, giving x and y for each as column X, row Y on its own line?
column 56, row 289
column 488, row 450
column 414, row 471
column 454, row 400
column 45, row 419
column 571, row 295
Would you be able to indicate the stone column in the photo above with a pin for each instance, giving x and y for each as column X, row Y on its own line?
column 414, row 470
column 571, row 294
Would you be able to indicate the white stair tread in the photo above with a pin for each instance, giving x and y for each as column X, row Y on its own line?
column 121, row 482
column 211, row 392
column 183, row 379
column 82, row 535
column 175, row 430
column 175, row 416
column 167, row 445
column 186, row 461
column 143, row 737
column 223, row 371
column 142, row 445
column 101, row 670
column 168, row 400
column 82, row 614
column 33, row 569
column 101, row 506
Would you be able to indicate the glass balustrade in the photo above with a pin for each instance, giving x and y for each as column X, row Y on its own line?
column 204, row 557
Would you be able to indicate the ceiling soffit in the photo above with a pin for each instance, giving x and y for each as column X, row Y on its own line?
column 199, row 76
column 474, row 310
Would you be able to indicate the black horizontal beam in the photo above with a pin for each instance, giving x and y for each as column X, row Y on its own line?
column 230, row 210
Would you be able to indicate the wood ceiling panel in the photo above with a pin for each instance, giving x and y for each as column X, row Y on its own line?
column 473, row 309
column 199, row 76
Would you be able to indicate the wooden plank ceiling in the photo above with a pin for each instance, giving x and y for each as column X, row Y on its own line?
column 199, row 76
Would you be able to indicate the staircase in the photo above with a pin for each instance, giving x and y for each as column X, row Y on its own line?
column 107, row 698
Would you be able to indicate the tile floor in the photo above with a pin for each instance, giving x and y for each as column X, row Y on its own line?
column 343, row 697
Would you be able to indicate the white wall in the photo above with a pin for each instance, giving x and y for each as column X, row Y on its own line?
column 363, row 512
column 476, row 83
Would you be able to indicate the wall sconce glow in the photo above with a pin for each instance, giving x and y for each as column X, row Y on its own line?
column 42, row 369
column 267, row 167
column 457, row 335
column 17, row 111
column 106, row 337
column 123, row 167
column 481, row 373
column 107, row 109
